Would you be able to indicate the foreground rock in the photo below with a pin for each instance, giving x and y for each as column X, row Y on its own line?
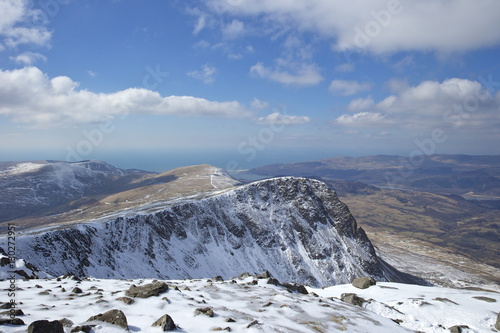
column 352, row 298
column 364, row 282
column 45, row 326
column 165, row 322
column 115, row 317
column 497, row 324
column 206, row 311
column 147, row 290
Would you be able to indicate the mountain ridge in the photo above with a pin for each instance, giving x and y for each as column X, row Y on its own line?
column 296, row 228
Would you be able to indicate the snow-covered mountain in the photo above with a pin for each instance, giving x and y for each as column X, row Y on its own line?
column 30, row 187
column 295, row 228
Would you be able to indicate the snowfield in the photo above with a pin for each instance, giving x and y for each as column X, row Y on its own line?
column 259, row 307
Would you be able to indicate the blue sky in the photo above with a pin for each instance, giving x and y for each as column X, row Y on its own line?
column 238, row 83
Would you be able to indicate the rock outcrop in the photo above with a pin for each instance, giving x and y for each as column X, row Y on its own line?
column 295, row 228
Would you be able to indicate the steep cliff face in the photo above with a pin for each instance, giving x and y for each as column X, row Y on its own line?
column 295, row 228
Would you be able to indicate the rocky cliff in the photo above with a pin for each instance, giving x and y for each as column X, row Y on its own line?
column 295, row 228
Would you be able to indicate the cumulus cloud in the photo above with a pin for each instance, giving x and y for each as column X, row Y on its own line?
column 454, row 103
column 347, row 88
column 289, row 73
column 277, row 118
column 257, row 104
column 234, row 29
column 28, row 95
column 363, row 119
column 29, row 58
column 361, row 104
column 22, row 25
column 206, row 74
column 379, row 26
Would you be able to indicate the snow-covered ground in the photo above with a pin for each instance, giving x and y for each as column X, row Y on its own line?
column 427, row 309
column 270, row 308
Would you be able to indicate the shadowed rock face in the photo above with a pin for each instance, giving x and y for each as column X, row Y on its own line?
column 295, row 228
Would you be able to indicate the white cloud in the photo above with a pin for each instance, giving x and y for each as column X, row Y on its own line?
column 257, row 104
column 345, row 68
column 29, row 58
column 277, row 118
column 200, row 24
column 206, row 74
column 361, row 104
column 30, row 96
column 234, row 29
column 22, row 25
column 379, row 26
column 363, row 119
column 454, row 103
column 289, row 73
column 347, row 88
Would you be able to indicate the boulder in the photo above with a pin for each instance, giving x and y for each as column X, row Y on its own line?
column 115, row 317
column 126, row 300
column 66, row 322
column 45, row 326
column 352, row 298
column 166, row 323
column 459, row 328
column 264, row 275
column 11, row 321
column 147, row 290
column 82, row 328
column 364, row 282
column 206, row 311
column 296, row 287
column 273, row 281
column 76, row 290
column 497, row 324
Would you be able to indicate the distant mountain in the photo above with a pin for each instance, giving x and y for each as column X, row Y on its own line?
column 49, row 192
column 295, row 228
column 451, row 174
column 28, row 188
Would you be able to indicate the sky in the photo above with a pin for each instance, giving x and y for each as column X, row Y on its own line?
column 157, row 84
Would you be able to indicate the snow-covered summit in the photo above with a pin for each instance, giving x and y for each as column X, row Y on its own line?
column 295, row 228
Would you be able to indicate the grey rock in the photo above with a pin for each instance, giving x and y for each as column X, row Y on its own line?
column 273, row 281
column 45, row 326
column 497, row 324
column 352, row 299
column 364, row 282
column 11, row 321
column 76, row 290
column 126, row 300
column 82, row 328
column 206, row 311
column 264, row 275
column 296, row 287
column 165, row 322
column 16, row 312
column 115, row 317
column 66, row 322
column 458, row 328
column 147, row 290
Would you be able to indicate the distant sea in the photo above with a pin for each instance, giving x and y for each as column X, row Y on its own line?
column 167, row 159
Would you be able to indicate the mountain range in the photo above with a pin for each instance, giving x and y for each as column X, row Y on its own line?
column 92, row 219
